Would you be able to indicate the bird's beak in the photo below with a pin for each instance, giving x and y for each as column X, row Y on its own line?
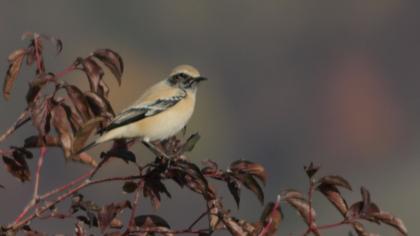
column 200, row 79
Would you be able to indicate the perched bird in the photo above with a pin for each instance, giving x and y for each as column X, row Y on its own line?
column 161, row 112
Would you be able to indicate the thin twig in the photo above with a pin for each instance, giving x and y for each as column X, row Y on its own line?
column 60, row 198
column 198, row 219
column 43, row 151
column 168, row 231
column 329, row 226
column 66, row 71
column 21, row 120
column 35, row 197
column 134, row 206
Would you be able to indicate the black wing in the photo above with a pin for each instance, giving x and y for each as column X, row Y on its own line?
column 137, row 113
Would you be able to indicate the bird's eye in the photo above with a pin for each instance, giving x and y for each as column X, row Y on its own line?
column 183, row 75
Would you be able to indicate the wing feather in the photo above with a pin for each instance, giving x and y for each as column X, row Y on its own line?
column 144, row 110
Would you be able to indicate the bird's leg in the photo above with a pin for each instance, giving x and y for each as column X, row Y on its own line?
column 158, row 152
column 155, row 149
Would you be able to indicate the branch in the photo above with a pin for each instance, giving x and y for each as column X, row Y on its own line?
column 43, row 151
column 162, row 230
column 35, row 197
column 134, row 205
column 311, row 222
column 21, row 120
column 60, row 198
column 266, row 228
column 198, row 219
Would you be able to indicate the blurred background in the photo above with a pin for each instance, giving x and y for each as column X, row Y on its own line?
column 333, row 82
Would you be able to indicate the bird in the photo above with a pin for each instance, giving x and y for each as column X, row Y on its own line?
column 161, row 112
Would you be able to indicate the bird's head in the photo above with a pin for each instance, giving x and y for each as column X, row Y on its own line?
column 185, row 77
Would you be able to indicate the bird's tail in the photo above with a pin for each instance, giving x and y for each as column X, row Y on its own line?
column 85, row 148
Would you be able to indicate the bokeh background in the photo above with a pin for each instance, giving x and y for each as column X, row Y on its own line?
column 334, row 82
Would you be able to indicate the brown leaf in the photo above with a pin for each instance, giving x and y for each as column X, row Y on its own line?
column 311, row 170
column 334, row 196
column 93, row 71
column 17, row 166
column 103, row 89
column 360, row 210
column 233, row 227
column 73, row 116
column 360, row 229
column 214, row 206
column 22, row 151
column 36, row 85
column 79, row 101
column 191, row 142
column 251, row 168
column 99, row 105
column 300, row 204
column 86, row 159
column 15, row 62
column 335, row 180
column 107, row 213
column 271, row 217
column 391, row 220
column 250, row 183
column 152, row 189
column 235, row 190
column 365, row 198
column 38, row 141
column 291, row 193
column 150, row 221
column 83, row 134
column 63, row 128
column 40, row 111
column 112, row 60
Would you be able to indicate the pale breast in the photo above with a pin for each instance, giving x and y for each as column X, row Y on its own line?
column 169, row 122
